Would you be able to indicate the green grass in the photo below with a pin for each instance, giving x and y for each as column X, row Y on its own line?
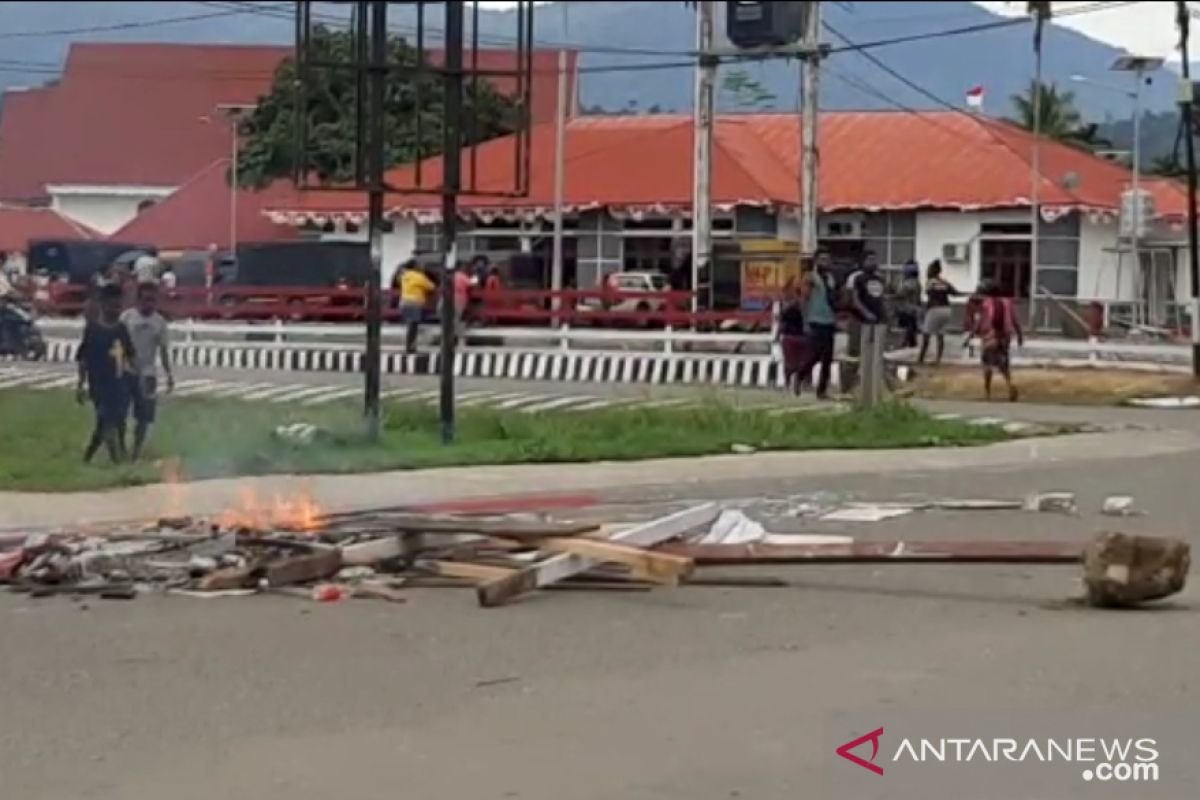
column 42, row 434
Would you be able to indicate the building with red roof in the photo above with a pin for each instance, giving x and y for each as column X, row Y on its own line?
column 130, row 123
column 932, row 185
column 197, row 216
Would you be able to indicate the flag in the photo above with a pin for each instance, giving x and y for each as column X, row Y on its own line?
column 975, row 97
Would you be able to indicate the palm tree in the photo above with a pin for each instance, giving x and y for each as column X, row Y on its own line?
column 1059, row 118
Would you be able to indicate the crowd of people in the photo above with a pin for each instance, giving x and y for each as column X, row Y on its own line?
column 418, row 291
column 118, row 359
column 812, row 307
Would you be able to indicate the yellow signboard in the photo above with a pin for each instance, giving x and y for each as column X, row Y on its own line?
column 768, row 265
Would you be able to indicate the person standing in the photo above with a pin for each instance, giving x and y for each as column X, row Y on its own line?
column 415, row 291
column 462, row 298
column 150, row 337
column 104, row 357
column 818, row 288
column 792, row 338
column 996, row 325
column 938, row 292
column 867, row 331
column 908, row 303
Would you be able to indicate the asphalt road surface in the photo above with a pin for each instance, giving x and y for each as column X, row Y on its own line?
column 686, row 694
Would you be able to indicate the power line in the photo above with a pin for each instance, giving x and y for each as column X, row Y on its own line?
column 121, row 26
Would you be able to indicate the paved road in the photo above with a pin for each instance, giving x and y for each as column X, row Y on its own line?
column 690, row 694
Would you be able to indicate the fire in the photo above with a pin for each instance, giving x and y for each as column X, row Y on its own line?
column 296, row 512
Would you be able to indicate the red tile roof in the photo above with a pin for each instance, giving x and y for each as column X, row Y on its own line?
column 869, row 160
column 197, row 216
column 20, row 224
column 136, row 114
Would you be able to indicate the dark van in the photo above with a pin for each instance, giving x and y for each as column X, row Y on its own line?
column 79, row 261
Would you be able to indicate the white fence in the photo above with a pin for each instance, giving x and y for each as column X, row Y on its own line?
column 564, row 338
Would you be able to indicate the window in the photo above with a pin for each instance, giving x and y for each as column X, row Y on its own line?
column 429, row 238
column 893, row 238
column 649, row 253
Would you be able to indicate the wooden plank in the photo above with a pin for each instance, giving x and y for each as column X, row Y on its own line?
column 564, row 565
column 302, row 569
column 890, row 551
column 466, row 570
column 372, row 552
column 661, row 568
column 447, row 523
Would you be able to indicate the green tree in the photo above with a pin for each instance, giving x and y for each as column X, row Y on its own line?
column 1168, row 166
column 1060, row 119
column 269, row 148
column 743, row 93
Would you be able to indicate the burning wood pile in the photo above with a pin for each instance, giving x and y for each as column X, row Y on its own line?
column 290, row 546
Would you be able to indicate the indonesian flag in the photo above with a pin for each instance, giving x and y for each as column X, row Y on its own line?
column 975, row 97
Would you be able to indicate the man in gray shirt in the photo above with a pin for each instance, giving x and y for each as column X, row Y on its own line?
column 151, row 342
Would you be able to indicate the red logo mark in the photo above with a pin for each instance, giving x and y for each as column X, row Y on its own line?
column 873, row 738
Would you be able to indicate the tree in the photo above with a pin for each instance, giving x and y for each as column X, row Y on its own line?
column 743, row 93
column 269, row 148
column 1060, row 119
column 1167, row 166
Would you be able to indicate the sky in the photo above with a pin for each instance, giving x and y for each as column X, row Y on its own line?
column 1146, row 28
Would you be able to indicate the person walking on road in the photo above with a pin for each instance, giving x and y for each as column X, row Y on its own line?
column 818, row 288
column 938, row 292
column 996, row 325
column 416, row 289
column 149, row 334
column 104, row 357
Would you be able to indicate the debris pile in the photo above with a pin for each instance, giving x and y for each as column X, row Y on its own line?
column 292, row 547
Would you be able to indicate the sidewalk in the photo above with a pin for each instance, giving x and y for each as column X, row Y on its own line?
column 542, row 484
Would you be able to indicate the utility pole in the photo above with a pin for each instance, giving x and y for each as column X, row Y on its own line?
column 702, row 135
column 560, row 158
column 809, row 154
column 1186, row 111
column 377, row 75
column 451, row 183
column 1042, row 13
column 560, row 163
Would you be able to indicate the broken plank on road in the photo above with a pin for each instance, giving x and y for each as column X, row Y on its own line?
column 562, row 566
column 663, row 568
column 890, row 551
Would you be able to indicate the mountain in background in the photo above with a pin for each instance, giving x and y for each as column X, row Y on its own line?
column 999, row 60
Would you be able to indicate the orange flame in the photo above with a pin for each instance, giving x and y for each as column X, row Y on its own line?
column 297, row 512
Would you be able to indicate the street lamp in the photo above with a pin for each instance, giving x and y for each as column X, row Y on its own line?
column 1139, row 66
column 234, row 112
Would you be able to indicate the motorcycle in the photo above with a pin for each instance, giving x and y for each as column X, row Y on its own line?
column 19, row 334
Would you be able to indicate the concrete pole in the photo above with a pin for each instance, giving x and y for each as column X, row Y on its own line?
column 233, row 189
column 702, row 124
column 1135, row 231
column 560, row 147
column 1035, row 205
column 809, row 155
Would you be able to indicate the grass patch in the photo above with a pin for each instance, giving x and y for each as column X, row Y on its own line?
column 43, row 433
column 1086, row 387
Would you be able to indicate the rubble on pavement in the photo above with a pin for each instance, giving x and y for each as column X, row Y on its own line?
column 293, row 548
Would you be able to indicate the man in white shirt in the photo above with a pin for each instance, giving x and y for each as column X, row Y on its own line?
column 151, row 342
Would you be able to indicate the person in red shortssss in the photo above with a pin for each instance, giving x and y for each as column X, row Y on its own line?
column 996, row 324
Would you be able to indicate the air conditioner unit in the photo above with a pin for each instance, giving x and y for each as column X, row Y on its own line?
column 956, row 252
column 841, row 229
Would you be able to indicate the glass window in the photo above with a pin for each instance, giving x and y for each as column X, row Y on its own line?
column 903, row 250
column 1061, row 282
column 904, row 224
column 1058, row 252
column 875, row 225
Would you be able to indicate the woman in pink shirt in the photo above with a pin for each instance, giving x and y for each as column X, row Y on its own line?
column 462, row 297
